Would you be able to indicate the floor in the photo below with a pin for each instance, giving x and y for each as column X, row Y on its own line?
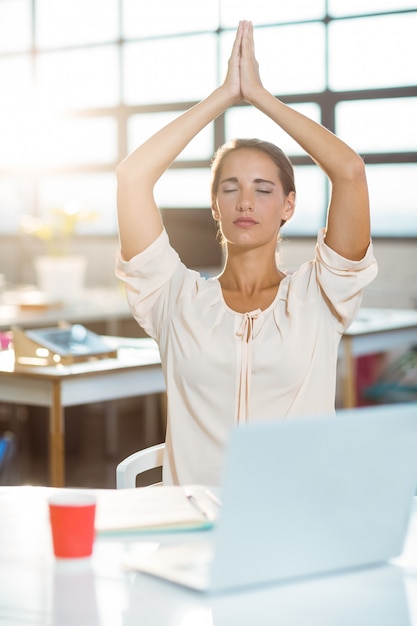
column 88, row 461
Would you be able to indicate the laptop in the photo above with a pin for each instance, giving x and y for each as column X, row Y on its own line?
column 301, row 498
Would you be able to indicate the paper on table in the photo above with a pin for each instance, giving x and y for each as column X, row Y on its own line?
column 153, row 509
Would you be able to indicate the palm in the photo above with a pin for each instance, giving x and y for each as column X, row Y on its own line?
column 249, row 68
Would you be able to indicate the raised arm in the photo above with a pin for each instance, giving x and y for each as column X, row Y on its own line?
column 348, row 223
column 139, row 219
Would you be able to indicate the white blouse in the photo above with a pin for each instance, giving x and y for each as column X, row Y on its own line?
column 222, row 367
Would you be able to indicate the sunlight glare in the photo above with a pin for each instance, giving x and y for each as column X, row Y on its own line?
column 203, row 616
column 29, row 133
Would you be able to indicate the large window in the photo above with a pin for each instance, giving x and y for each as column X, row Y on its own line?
column 85, row 81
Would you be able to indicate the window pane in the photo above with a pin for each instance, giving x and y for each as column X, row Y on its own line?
column 89, row 140
column 267, row 12
column 38, row 139
column 61, row 23
column 142, row 126
column 311, row 205
column 16, row 121
column 94, row 192
column 16, row 199
column 184, row 189
column 303, row 69
column 249, row 122
column 162, row 17
column 78, row 142
column 393, row 199
column 15, row 25
column 170, row 70
column 378, row 125
column 383, row 54
column 15, row 73
column 358, row 7
column 79, row 78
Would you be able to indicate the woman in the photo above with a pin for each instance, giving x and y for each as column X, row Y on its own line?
column 252, row 343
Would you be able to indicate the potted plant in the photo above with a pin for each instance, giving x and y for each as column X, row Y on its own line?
column 60, row 274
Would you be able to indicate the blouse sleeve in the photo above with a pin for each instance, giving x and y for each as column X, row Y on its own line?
column 147, row 278
column 343, row 296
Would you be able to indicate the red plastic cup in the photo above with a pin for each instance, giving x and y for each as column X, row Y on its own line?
column 72, row 524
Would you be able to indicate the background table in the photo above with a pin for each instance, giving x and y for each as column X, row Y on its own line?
column 91, row 306
column 36, row 591
column 374, row 331
column 135, row 372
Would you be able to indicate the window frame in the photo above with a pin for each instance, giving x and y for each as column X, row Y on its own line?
column 326, row 100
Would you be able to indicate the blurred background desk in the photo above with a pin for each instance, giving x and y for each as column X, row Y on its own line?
column 27, row 309
column 136, row 371
column 374, row 331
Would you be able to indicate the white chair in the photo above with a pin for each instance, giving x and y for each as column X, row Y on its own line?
column 137, row 463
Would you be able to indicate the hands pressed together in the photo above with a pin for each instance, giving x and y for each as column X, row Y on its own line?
column 242, row 78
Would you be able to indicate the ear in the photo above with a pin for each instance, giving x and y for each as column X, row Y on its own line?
column 215, row 212
column 289, row 206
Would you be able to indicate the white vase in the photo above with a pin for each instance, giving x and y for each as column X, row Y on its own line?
column 61, row 278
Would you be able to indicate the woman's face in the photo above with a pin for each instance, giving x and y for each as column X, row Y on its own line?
column 251, row 202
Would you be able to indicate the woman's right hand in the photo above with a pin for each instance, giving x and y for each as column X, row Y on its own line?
column 231, row 83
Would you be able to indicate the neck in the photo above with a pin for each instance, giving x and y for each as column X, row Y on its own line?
column 250, row 271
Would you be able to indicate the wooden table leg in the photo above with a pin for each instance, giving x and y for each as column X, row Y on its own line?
column 56, row 439
column 349, row 384
column 111, row 428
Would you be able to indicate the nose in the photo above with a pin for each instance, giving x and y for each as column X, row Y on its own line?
column 245, row 202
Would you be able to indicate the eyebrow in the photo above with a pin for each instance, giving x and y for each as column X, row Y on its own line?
column 257, row 181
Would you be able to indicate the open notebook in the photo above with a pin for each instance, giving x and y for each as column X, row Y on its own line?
column 155, row 509
column 302, row 498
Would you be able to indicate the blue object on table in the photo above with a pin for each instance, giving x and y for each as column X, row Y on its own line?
column 7, row 445
column 399, row 381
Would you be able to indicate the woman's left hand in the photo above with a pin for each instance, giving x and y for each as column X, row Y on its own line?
column 232, row 80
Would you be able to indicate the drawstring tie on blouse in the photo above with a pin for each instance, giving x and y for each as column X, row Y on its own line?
column 245, row 332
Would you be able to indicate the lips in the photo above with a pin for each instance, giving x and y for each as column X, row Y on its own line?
column 245, row 221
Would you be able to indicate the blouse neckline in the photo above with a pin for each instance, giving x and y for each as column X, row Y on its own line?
column 258, row 310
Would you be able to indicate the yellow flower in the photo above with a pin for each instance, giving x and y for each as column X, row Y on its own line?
column 58, row 229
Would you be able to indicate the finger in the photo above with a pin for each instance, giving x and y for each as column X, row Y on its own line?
column 247, row 39
column 238, row 41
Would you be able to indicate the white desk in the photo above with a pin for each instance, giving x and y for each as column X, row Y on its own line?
column 138, row 372
column 34, row 591
column 135, row 372
column 374, row 331
column 92, row 305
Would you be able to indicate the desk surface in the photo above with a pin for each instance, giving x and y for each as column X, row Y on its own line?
column 131, row 353
column 34, row 589
column 134, row 372
column 93, row 305
column 381, row 320
column 101, row 303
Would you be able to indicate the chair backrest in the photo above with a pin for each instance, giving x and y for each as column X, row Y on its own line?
column 137, row 463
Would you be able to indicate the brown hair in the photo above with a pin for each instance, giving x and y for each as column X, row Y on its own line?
column 284, row 165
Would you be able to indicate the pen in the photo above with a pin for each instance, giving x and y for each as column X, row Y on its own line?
column 193, row 500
